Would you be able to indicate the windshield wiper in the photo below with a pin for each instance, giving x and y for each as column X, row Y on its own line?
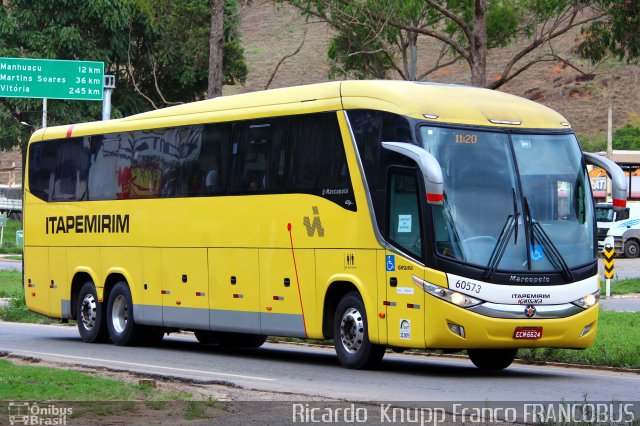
column 548, row 246
column 501, row 246
column 510, row 225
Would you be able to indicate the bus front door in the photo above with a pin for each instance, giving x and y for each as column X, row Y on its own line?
column 405, row 303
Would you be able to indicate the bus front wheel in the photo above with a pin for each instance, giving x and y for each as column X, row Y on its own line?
column 492, row 359
column 120, row 320
column 89, row 312
column 351, row 335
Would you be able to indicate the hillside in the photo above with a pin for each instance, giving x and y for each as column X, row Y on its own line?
column 270, row 32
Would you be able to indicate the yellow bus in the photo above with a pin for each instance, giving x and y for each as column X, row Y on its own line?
column 382, row 214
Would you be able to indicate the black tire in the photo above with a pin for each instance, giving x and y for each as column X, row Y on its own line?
column 120, row 318
column 492, row 359
column 152, row 336
column 351, row 335
column 631, row 249
column 207, row 337
column 244, row 340
column 90, row 315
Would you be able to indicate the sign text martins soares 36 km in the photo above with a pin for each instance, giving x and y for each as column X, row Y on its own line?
column 51, row 79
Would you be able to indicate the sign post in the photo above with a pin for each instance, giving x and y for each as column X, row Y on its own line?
column 608, row 253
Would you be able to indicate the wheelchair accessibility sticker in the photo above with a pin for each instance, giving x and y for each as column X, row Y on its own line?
column 391, row 263
column 537, row 254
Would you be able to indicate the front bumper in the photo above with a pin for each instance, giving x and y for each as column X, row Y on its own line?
column 481, row 331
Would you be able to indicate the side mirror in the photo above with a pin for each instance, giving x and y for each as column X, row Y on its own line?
column 429, row 167
column 618, row 179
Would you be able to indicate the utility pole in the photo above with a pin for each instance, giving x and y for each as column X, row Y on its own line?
column 609, row 145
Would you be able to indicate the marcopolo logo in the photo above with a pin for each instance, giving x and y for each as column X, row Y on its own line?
column 314, row 226
column 24, row 413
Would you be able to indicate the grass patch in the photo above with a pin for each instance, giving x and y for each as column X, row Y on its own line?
column 9, row 241
column 29, row 383
column 17, row 311
column 10, row 283
column 616, row 345
column 13, row 257
column 629, row 285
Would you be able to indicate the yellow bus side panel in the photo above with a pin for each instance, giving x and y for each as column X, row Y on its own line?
column 381, row 312
column 60, row 287
column 234, row 289
column 487, row 332
column 148, row 309
column 126, row 261
column 332, row 267
column 36, row 279
column 185, row 284
column 282, row 303
column 86, row 259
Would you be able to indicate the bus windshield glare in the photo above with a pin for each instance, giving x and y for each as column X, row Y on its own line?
column 513, row 202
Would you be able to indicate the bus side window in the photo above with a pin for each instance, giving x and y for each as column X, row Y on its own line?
column 214, row 157
column 404, row 211
column 258, row 156
column 317, row 163
column 70, row 182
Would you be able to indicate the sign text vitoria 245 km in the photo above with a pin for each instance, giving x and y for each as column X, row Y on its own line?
column 51, row 79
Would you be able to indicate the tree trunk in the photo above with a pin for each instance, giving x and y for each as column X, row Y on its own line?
column 216, row 41
column 412, row 75
column 478, row 43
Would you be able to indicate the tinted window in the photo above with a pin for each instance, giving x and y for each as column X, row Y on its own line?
column 404, row 212
column 258, row 153
column 370, row 129
column 174, row 162
column 299, row 154
column 317, row 163
column 58, row 169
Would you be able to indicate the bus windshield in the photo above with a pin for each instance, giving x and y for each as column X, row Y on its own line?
column 512, row 202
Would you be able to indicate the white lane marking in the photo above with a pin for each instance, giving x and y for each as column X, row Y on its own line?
column 134, row 364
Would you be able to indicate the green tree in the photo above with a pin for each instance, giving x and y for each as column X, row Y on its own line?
column 375, row 36
column 627, row 137
column 157, row 49
column 618, row 33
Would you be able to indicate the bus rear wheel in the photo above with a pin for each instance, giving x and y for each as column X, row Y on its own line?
column 351, row 335
column 90, row 315
column 492, row 359
column 120, row 318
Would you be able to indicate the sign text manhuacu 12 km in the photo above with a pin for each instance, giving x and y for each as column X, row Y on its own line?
column 51, row 79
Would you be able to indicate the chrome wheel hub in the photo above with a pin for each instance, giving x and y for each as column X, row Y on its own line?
column 120, row 314
column 88, row 311
column 352, row 330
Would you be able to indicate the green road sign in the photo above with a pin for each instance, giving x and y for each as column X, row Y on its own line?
column 51, row 79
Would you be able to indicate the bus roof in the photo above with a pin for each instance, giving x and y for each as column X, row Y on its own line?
column 438, row 103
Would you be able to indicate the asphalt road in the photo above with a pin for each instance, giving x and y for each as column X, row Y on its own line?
column 315, row 371
column 10, row 265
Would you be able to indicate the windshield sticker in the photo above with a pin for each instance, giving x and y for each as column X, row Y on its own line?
column 391, row 263
column 405, row 329
column 537, row 254
column 404, row 223
column 525, row 144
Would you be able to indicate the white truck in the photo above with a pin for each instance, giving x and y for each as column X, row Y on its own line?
column 621, row 228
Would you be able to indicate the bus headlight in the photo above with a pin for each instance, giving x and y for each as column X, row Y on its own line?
column 450, row 296
column 588, row 301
